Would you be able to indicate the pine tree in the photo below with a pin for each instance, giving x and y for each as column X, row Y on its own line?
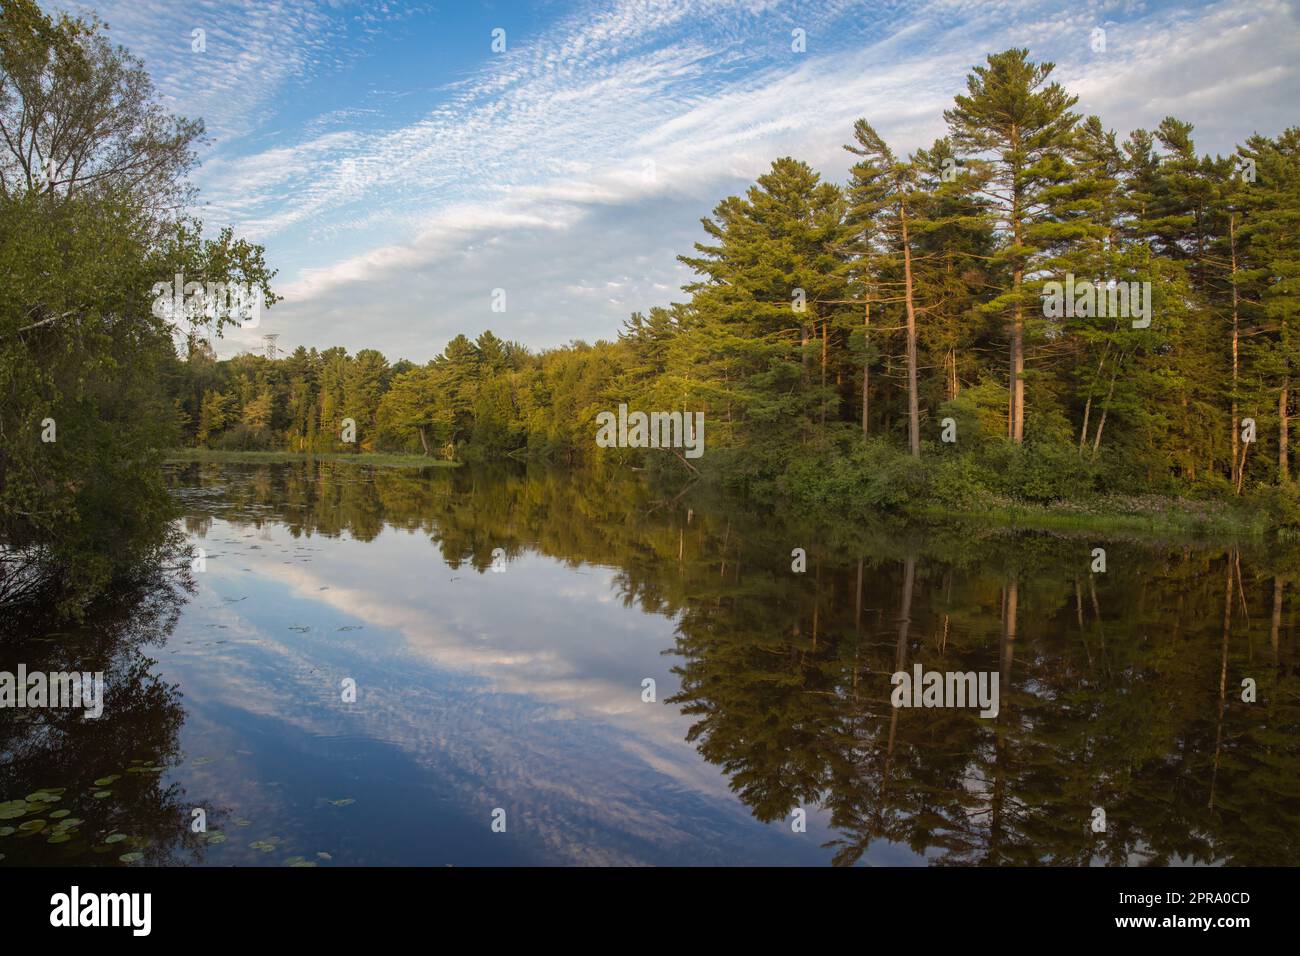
column 1013, row 130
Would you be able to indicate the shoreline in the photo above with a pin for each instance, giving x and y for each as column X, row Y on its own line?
column 376, row 459
column 1156, row 516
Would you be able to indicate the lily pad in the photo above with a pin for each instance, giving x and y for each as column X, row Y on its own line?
column 105, row 781
column 6, row 831
column 131, row 857
column 216, row 837
column 115, row 838
column 304, row 863
column 13, row 809
column 59, row 814
column 101, row 794
column 59, row 838
column 31, row 826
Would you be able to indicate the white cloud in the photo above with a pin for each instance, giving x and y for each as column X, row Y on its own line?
column 586, row 154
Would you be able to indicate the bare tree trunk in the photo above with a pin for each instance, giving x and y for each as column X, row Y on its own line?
column 1087, row 408
column 825, row 349
column 1083, row 432
column 1018, row 374
column 1236, row 336
column 1104, row 409
column 1017, row 337
column 1241, row 468
column 1283, row 432
column 866, row 368
column 913, row 403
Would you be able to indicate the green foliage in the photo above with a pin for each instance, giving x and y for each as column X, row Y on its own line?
column 83, row 421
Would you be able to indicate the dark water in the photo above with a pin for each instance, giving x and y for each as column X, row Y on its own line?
column 522, row 689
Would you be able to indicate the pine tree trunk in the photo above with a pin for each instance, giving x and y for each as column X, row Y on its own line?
column 1236, row 328
column 866, row 369
column 1283, row 432
column 825, row 349
column 913, row 403
column 1017, row 328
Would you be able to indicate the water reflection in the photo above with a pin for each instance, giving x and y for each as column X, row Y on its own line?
column 522, row 690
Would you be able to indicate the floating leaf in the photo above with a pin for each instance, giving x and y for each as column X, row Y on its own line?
column 346, row 801
column 115, row 838
column 215, row 837
column 59, row 838
column 6, row 831
column 304, row 863
column 59, row 814
column 13, row 809
column 294, row 859
column 131, row 857
column 31, row 826
column 105, row 781
column 101, row 794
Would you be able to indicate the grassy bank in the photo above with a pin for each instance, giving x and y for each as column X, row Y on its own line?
column 1162, row 517
column 373, row 458
column 1042, row 488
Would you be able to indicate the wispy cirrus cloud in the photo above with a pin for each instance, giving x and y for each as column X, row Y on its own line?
column 583, row 155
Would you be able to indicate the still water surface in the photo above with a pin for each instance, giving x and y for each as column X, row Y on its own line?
column 521, row 689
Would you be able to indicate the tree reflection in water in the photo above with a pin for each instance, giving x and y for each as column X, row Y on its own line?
column 1120, row 690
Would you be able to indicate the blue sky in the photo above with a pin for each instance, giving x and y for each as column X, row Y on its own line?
column 398, row 170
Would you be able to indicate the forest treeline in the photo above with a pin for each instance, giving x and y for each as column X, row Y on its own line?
column 838, row 332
